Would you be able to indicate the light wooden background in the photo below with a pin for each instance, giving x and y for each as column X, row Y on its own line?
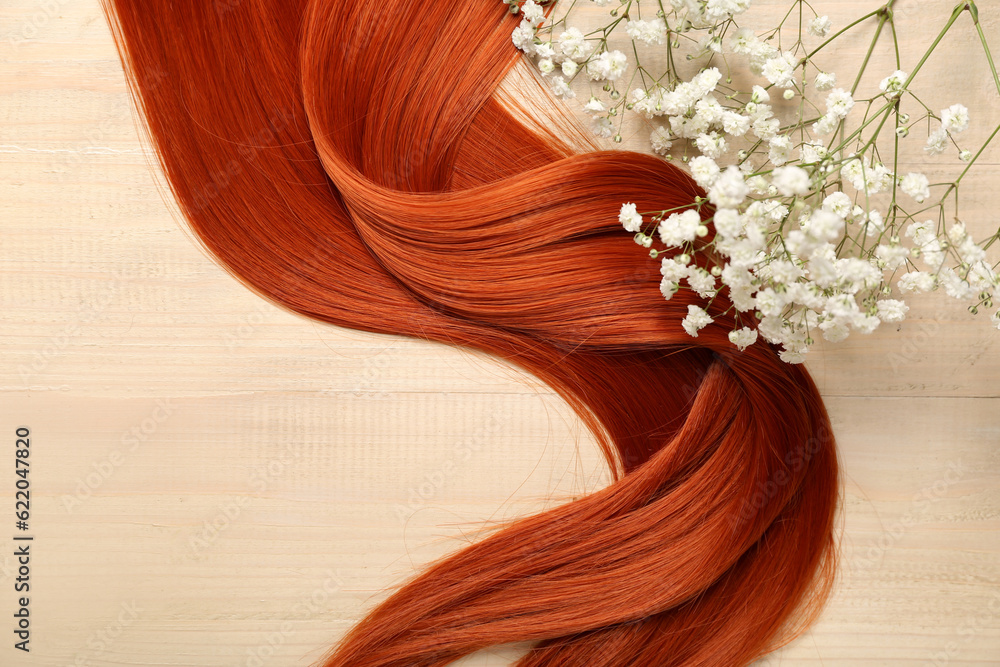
column 218, row 482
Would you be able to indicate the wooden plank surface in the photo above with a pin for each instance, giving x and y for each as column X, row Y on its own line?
column 218, row 482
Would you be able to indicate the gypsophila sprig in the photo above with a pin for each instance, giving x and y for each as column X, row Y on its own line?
column 815, row 233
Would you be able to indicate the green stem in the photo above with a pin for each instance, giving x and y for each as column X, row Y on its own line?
column 937, row 40
column 996, row 79
column 884, row 16
column 840, row 32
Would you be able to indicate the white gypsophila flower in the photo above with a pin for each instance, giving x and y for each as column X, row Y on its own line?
column 892, row 310
column 759, row 95
column 711, row 144
column 770, row 302
column 779, row 272
column 643, row 103
column 838, row 203
column 756, row 111
column 791, row 181
column 932, row 254
column 874, row 223
column 546, row 66
column 865, row 176
column 710, row 42
column 983, row 278
column 696, row 320
column 866, row 323
column 971, row 252
column 710, row 109
column 811, row 152
column 704, row 170
column 771, row 328
column 743, row 42
column 798, row 243
column 608, row 65
column 743, row 338
column 601, row 3
column 659, row 139
column 706, row 80
column 806, row 294
column 841, row 308
column 569, row 68
column 892, row 256
column 648, row 32
column 717, row 11
column 822, row 266
column 688, row 128
column 594, row 105
column 892, row 85
column 603, row 127
column 917, row 186
column 545, row 50
column 574, row 45
column 728, row 222
column 937, row 142
column 955, row 119
column 826, row 81
column 839, row 103
column 826, row 124
column 793, row 356
column 996, row 319
column 759, row 185
column 823, row 226
column 646, row 240
column 673, row 270
column 630, row 218
column 957, row 232
column 835, row 330
column 766, row 129
column 729, row 189
column 922, row 232
column 701, row 281
column 524, row 37
column 679, row 228
column 561, row 89
column 532, row 12
column 761, row 53
column 735, row 124
column 916, row 281
column 743, row 299
column 780, row 70
column 820, row 26
column 855, row 274
column 955, row 286
column 668, row 288
column 780, row 150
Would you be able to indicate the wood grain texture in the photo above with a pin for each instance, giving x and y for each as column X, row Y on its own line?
column 219, row 482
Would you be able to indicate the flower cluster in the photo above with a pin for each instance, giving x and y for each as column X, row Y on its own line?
column 804, row 228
